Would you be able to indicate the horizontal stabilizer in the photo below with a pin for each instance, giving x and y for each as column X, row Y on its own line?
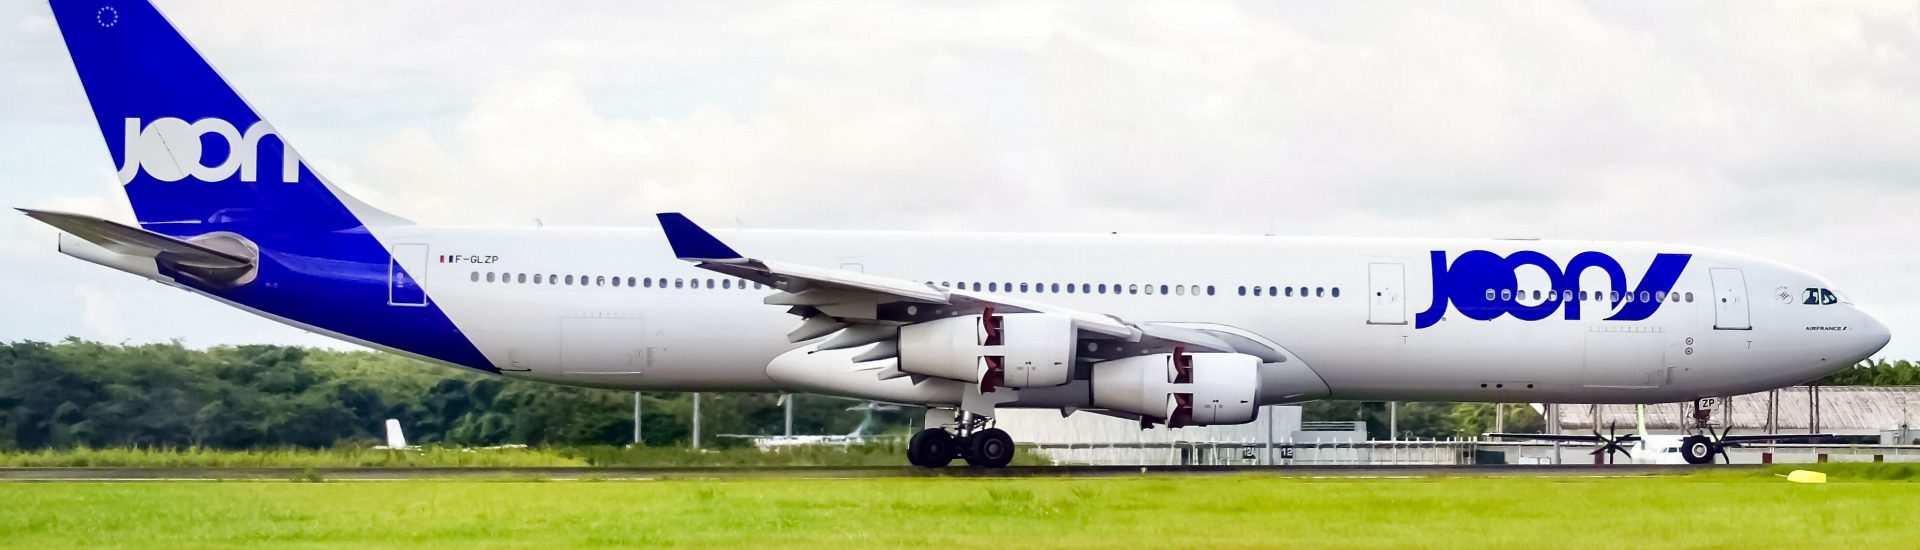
column 140, row 242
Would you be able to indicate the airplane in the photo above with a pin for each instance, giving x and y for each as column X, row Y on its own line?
column 1696, row 448
column 1167, row 330
column 857, row 436
column 396, row 439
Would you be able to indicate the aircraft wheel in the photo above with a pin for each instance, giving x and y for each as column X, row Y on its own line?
column 931, row 448
column 990, row 448
column 1697, row 449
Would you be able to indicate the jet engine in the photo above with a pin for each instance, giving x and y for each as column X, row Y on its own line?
column 1016, row 350
column 1181, row 389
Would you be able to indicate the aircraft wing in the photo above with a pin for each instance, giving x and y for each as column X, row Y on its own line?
column 1769, row 437
column 1570, row 438
column 829, row 300
column 134, row 241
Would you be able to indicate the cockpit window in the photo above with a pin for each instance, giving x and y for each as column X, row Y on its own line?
column 1818, row 297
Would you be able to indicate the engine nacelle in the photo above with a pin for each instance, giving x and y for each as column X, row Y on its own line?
column 1016, row 350
column 1179, row 389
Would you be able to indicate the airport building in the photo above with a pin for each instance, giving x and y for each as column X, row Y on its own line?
column 1885, row 415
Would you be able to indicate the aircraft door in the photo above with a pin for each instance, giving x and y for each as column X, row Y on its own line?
column 1730, row 299
column 406, row 273
column 1386, row 294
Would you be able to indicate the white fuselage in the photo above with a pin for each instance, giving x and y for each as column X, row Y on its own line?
column 702, row 331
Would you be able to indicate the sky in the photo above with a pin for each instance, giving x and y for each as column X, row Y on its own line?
column 1786, row 130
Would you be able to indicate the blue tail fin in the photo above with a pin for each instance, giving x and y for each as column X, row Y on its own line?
column 188, row 148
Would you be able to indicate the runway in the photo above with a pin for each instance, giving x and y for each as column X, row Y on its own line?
column 87, row 474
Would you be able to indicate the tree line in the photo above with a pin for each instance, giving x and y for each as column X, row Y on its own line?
column 78, row 393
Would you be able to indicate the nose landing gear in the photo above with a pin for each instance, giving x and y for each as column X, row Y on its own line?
column 969, row 438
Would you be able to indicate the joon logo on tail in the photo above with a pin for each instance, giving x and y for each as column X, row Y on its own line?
column 1480, row 284
column 170, row 149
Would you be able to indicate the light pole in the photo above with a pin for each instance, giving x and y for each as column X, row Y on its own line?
column 636, row 419
column 696, row 420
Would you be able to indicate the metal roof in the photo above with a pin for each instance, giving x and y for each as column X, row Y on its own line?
column 1844, row 410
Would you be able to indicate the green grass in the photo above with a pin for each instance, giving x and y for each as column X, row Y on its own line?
column 870, row 454
column 1744, row 509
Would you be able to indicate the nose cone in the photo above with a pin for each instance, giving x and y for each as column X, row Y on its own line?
column 1874, row 335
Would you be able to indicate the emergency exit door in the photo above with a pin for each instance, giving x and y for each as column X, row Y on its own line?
column 1730, row 299
column 1386, row 295
column 405, row 275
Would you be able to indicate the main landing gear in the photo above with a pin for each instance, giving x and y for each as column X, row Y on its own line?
column 1700, row 447
column 969, row 438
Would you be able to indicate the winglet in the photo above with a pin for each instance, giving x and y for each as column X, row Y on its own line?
column 690, row 242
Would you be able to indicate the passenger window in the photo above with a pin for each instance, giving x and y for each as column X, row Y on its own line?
column 569, row 280
column 1506, row 294
column 1056, row 288
column 647, row 281
column 1103, row 288
column 1163, row 290
column 1613, row 296
column 616, row 281
column 1243, row 290
column 1490, row 295
column 1336, row 292
column 679, row 282
column 1023, row 287
column 1149, row 290
column 709, row 284
column 993, row 287
column 1321, row 292
column 1271, row 291
column 1256, row 291
column 489, row 276
column 630, row 282
column 1069, row 288
column 537, row 279
column 521, row 278
column 475, row 276
column 1643, row 296
column 1689, row 297
column 1179, row 291
column 1133, row 289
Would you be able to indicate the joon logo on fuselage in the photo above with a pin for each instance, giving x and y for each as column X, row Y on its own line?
column 170, row 149
column 1473, row 283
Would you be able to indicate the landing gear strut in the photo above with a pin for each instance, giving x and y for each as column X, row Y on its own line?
column 1700, row 447
column 970, row 437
